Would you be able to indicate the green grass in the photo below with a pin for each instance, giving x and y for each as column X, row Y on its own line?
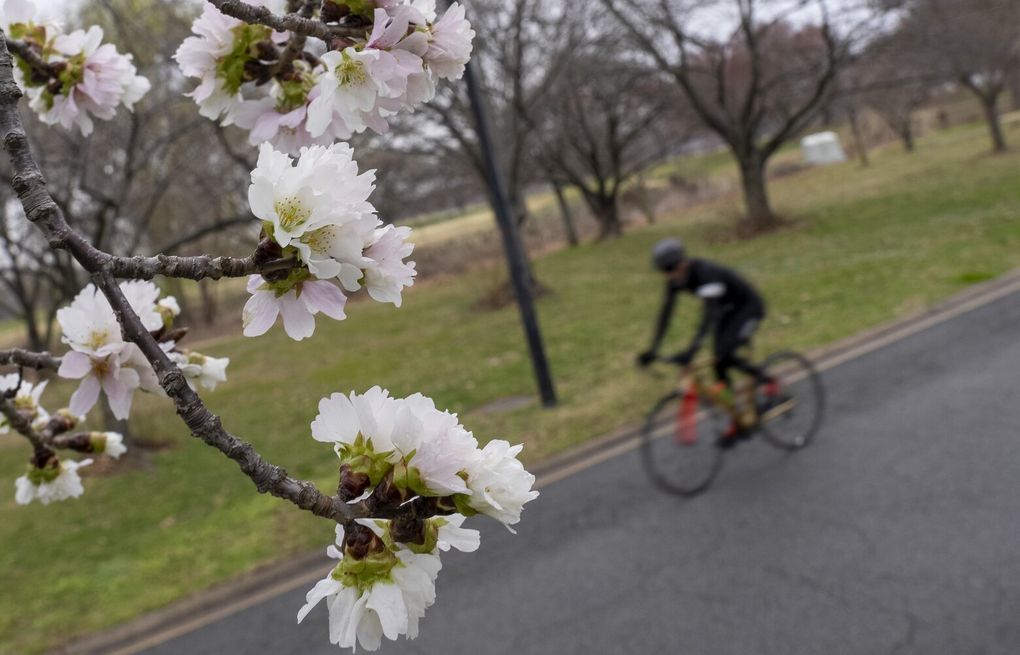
column 864, row 246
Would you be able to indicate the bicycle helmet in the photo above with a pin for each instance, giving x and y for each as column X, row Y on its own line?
column 668, row 254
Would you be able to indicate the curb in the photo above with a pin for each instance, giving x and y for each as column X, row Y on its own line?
column 280, row 577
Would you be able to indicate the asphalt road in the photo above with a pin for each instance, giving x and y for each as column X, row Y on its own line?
column 897, row 532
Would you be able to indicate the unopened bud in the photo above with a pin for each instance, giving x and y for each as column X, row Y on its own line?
column 409, row 530
column 267, row 250
column 267, row 50
column 333, row 11
column 360, row 542
column 63, row 421
column 353, row 483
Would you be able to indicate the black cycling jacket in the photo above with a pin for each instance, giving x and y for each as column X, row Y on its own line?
column 723, row 292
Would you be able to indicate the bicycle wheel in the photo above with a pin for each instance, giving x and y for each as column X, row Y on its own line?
column 791, row 415
column 680, row 463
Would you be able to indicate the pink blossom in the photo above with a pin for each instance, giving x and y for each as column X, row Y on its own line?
column 118, row 374
column 388, row 274
column 103, row 80
column 298, row 306
column 450, row 44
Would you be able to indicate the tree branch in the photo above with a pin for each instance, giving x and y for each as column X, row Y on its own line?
column 23, row 426
column 287, row 22
column 206, row 230
column 48, row 217
column 27, row 359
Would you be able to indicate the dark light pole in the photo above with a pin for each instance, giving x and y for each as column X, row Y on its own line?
column 519, row 274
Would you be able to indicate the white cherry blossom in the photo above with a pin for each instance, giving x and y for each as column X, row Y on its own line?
column 100, row 357
column 499, row 483
column 201, row 370
column 371, row 415
column 450, row 44
column 118, row 375
column 108, row 443
column 385, row 597
column 298, row 304
column 96, row 79
column 321, row 188
column 26, row 398
column 51, row 484
column 388, row 274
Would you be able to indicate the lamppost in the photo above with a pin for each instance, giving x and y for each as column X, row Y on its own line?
column 517, row 264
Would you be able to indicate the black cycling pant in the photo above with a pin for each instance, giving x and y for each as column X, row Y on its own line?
column 734, row 330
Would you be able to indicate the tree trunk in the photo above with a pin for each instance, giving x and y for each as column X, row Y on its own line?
column 907, row 136
column 565, row 213
column 36, row 341
column 606, row 210
column 760, row 216
column 208, row 303
column 644, row 202
column 518, row 208
column 860, row 144
column 990, row 104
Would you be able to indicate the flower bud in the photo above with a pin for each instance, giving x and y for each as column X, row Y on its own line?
column 333, row 11
column 353, row 483
column 360, row 542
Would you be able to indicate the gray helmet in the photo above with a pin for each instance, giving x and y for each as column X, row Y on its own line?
column 668, row 254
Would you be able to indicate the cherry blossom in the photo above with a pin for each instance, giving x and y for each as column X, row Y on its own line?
column 201, row 370
column 450, row 44
column 99, row 356
column 107, row 443
column 380, row 593
column 499, row 483
column 57, row 480
column 388, row 275
column 297, row 299
column 93, row 81
column 26, row 398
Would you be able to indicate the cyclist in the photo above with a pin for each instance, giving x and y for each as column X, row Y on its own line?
column 733, row 310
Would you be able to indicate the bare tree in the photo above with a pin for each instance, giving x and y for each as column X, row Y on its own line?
column 603, row 127
column 525, row 48
column 976, row 41
column 894, row 79
column 757, row 83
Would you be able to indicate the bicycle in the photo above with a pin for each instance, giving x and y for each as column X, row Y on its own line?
column 682, row 440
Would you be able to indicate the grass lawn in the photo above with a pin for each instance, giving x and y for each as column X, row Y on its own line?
column 864, row 246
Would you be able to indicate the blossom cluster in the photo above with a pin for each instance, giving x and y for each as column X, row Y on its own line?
column 408, row 450
column 55, row 479
column 81, row 78
column 249, row 76
column 316, row 208
column 104, row 361
column 399, row 458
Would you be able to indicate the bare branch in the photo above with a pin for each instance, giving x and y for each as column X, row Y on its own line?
column 31, row 57
column 28, row 359
column 205, row 231
column 23, row 426
column 287, row 22
column 48, row 217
